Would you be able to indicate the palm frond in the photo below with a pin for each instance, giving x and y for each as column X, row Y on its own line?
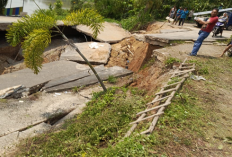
column 23, row 27
column 33, row 48
column 88, row 17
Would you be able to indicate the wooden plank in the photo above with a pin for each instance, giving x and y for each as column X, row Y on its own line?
column 187, row 64
column 184, row 71
column 187, row 67
column 158, row 114
column 141, row 117
column 134, row 126
column 166, row 91
column 153, row 108
column 160, row 107
column 154, row 101
column 155, row 120
column 172, row 84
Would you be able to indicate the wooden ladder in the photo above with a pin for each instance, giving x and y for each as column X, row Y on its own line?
column 165, row 95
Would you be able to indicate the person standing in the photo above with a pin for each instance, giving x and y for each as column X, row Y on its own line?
column 172, row 13
column 221, row 6
column 205, row 31
column 183, row 16
column 178, row 14
column 190, row 15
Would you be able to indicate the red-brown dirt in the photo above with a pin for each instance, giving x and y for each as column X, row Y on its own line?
column 132, row 51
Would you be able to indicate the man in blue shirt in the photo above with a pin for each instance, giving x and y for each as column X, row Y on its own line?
column 183, row 16
column 178, row 14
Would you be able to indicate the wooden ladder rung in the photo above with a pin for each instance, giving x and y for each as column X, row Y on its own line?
column 148, row 110
column 147, row 118
column 159, row 100
column 187, row 63
column 166, row 91
column 187, row 67
column 182, row 73
column 172, row 84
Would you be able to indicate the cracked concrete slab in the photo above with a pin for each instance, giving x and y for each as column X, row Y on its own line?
column 91, row 79
column 19, row 115
column 165, row 38
column 98, row 55
column 112, row 33
column 50, row 71
column 181, row 51
column 22, row 120
column 8, row 142
column 33, row 131
column 173, row 30
column 73, row 77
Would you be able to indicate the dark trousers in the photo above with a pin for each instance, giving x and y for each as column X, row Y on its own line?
column 181, row 20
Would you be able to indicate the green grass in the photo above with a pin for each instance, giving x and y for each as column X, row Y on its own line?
column 99, row 130
column 112, row 20
column 112, row 79
column 177, row 42
column 170, row 61
column 148, row 64
column 3, row 100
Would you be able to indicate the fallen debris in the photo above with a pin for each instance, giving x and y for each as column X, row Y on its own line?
column 130, row 53
column 197, row 78
column 96, row 53
column 10, row 91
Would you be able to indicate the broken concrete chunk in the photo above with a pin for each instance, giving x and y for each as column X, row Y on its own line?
column 10, row 91
column 97, row 55
column 111, row 32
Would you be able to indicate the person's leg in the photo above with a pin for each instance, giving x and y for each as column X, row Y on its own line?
column 226, row 50
column 183, row 21
column 180, row 21
column 174, row 20
column 177, row 20
column 198, row 43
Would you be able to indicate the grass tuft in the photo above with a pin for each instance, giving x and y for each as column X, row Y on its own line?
column 112, row 79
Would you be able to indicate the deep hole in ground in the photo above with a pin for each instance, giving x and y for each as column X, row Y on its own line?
column 56, row 117
column 51, row 53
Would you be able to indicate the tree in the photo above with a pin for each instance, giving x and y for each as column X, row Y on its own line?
column 3, row 4
column 34, row 34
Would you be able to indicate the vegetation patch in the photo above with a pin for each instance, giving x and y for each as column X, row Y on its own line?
column 170, row 61
column 149, row 63
column 112, row 79
column 3, row 100
column 177, row 42
column 184, row 129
